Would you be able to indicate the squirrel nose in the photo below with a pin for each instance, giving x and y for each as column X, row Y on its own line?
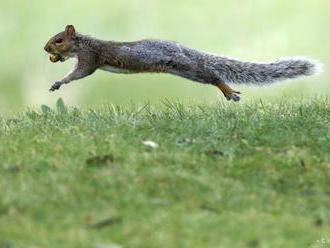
column 47, row 48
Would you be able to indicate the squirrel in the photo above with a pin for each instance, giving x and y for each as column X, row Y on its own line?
column 152, row 55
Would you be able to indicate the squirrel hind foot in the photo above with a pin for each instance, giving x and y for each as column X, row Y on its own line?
column 233, row 97
column 228, row 92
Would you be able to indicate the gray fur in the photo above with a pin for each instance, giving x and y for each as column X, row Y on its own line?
column 168, row 57
column 208, row 68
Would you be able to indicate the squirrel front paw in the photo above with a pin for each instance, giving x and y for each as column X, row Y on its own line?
column 55, row 86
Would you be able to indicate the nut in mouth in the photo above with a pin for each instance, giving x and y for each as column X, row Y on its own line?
column 55, row 58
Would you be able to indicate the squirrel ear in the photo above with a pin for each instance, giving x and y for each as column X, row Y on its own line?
column 70, row 31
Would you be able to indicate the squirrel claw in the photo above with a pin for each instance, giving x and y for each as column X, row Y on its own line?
column 228, row 92
column 233, row 97
column 55, row 86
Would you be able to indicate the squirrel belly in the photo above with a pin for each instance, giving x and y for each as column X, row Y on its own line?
column 114, row 69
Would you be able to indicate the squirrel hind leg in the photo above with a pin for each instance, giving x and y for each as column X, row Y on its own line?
column 228, row 92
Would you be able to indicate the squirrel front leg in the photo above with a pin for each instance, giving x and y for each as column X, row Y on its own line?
column 85, row 66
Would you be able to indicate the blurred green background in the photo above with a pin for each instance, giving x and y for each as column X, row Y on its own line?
column 259, row 30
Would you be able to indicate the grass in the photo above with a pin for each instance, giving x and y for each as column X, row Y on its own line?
column 253, row 175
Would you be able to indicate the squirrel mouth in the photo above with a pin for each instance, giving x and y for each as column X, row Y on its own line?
column 55, row 58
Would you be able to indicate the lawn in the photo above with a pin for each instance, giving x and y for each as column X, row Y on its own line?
column 223, row 175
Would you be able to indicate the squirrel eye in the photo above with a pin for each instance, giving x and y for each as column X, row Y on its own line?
column 59, row 40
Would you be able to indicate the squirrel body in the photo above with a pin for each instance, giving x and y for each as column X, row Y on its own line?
column 169, row 57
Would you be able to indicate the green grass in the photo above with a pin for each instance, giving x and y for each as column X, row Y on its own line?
column 227, row 175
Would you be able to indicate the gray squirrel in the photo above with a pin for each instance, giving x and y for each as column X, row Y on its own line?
column 168, row 57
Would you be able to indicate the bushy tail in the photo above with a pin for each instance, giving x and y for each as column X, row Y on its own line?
column 231, row 70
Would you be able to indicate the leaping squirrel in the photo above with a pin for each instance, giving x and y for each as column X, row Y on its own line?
column 168, row 57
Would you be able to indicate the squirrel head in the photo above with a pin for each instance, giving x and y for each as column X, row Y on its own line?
column 62, row 45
